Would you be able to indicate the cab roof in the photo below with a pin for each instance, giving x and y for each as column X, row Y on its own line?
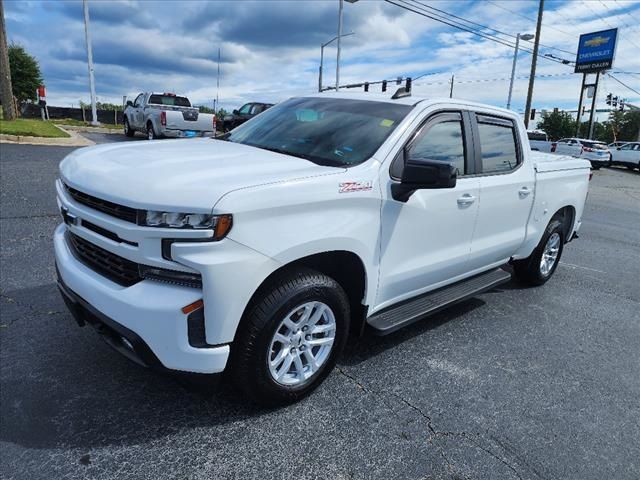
column 412, row 100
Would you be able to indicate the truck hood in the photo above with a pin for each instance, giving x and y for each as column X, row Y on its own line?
column 179, row 175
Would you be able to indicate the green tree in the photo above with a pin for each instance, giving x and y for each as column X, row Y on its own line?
column 25, row 74
column 557, row 125
column 623, row 126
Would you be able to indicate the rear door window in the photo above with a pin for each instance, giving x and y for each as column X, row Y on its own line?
column 498, row 145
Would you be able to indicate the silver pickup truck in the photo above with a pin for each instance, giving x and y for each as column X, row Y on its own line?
column 165, row 115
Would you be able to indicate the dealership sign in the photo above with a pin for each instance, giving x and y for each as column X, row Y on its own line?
column 596, row 51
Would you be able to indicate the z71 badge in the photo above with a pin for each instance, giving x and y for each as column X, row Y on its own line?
column 348, row 187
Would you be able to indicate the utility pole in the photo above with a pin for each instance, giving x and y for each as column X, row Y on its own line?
column 6, row 90
column 451, row 89
column 92, row 83
column 532, row 76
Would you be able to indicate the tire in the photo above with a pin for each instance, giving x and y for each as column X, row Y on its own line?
column 263, row 364
column 532, row 270
column 151, row 133
column 630, row 167
column 128, row 131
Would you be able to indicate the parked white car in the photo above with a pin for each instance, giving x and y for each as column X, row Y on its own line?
column 627, row 155
column 596, row 152
column 319, row 218
column 165, row 115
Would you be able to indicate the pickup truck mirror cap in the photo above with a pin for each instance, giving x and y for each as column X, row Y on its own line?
column 129, row 103
column 423, row 174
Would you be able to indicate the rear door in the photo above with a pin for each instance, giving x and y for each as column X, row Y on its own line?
column 425, row 241
column 506, row 188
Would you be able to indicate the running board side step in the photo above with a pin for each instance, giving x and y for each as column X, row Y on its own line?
column 396, row 317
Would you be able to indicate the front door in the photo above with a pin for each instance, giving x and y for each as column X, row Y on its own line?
column 426, row 241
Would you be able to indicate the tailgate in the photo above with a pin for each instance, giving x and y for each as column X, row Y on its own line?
column 189, row 120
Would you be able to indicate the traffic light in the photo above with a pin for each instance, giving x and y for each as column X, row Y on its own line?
column 609, row 97
column 614, row 102
column 583, row 110
column 621, row 108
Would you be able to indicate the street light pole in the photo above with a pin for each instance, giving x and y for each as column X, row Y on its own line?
column 526, row 36
column 338, row 54
column 322, row 58
column 339, row 37
column 92, row 84
column 532, row 76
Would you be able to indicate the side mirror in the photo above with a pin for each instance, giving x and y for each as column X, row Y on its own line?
column 618, row 148
column 236, row 112
column 129, row 103
column 422, row 175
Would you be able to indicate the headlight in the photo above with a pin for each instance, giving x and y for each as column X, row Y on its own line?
column 220, row 224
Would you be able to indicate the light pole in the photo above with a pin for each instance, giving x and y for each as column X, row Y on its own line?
column 322, row 57
column 532, row 75
column 339, row 37
column 92, row 84
column 526, row 36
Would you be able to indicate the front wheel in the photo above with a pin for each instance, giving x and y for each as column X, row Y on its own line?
column 290, row 337
column 538, row 268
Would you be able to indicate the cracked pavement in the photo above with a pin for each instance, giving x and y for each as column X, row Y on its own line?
column 517, row 383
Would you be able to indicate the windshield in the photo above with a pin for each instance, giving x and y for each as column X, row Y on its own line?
column 169, row 100
column 326, row 131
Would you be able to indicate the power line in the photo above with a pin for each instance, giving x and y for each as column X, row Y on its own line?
column 485, row 27
column 628, row 13
column 623, row 84
column 530, row 19
column 428, row 14
column 606, row 21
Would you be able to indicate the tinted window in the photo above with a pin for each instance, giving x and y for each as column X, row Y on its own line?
column 324, row 130
column 138, row 100
column 498, row 146
column 171, row 100
column 595, row 145
column 245, row 108
column 443, row 142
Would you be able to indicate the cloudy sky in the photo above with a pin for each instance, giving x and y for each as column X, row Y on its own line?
column 271, row 49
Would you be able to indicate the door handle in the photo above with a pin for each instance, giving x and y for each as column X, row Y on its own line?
column 466, row 200
column 523, row 192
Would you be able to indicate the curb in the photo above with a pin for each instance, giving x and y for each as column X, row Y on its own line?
column 75, row 128
column 74, row 140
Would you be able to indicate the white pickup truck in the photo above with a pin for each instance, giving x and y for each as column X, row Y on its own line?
column 261, row 252
column 165, row 115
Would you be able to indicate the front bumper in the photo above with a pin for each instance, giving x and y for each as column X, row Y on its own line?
column 148, row 315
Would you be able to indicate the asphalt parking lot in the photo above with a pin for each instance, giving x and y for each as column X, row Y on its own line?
column 518, row 383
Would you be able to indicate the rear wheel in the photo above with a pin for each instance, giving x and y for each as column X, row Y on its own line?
column 128, row 131
column 290, row 337
column 538, row 268
column 151, row 134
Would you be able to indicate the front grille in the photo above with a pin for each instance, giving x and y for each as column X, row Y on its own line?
column 117, row 269
column 125, row 272
column 119, row 211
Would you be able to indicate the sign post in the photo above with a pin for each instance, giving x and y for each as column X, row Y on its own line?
column 595, row 54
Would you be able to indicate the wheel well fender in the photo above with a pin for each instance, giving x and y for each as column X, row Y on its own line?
column 567, row 215
column 344, row 267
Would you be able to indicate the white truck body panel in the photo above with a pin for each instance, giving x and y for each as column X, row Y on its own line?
column 285, row 208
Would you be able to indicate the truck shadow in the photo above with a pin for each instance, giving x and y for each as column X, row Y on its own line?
column 62, row 387
column 370, row 345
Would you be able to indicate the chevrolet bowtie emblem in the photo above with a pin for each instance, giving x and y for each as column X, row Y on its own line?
column 596, row 41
